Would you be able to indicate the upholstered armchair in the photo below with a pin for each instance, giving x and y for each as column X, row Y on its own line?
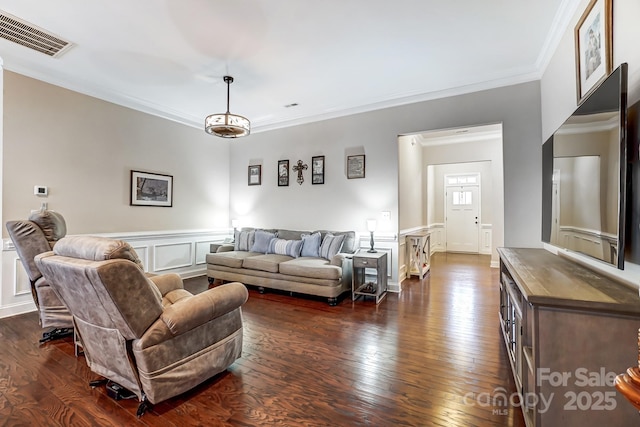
column 147, row 334
column 34, row 236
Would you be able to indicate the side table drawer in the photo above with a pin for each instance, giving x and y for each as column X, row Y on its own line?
column 364, row 262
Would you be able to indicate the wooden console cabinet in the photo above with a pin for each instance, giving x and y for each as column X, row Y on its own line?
column 568, row 332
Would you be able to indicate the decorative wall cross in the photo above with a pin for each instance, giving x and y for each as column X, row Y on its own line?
column 299, row 168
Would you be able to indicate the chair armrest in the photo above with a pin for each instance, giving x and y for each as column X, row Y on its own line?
column 338, row 259
column 167, row 282
column 189, row 313
column 221, row 247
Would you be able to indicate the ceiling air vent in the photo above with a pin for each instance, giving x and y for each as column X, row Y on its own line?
column 18, row 31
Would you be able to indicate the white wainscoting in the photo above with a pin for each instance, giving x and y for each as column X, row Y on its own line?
column 181, row 252
column 438, row 238
column 402, row 256
column 485, row 239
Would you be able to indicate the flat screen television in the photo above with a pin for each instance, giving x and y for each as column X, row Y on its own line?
column 584, row 175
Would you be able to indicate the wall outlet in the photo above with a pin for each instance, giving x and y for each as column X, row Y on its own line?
column 386, row 215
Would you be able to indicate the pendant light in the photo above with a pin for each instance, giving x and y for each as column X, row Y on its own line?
column 227, row 125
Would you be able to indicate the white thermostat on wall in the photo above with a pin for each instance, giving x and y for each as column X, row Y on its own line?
column 40, row 190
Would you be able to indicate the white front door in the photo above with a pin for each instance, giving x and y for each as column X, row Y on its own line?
column 462, row 218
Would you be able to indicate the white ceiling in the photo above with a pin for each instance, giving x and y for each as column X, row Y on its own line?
column 331, row 57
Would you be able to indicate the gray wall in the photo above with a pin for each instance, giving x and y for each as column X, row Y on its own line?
column 343, row 203
column 83, row 149
column 86, row 147
column 558, row 84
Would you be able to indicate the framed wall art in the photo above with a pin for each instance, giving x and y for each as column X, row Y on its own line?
column 317, row 170
column 355, row 166
column 255, row 175
column 594, row 48
column 151, row 189
column 283, row 173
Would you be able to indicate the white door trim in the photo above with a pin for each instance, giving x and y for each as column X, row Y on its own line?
column 452, row 181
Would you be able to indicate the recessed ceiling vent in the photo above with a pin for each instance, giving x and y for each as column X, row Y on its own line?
column 18, row 31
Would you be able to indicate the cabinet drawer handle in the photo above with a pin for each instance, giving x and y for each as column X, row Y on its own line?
column 364, row 262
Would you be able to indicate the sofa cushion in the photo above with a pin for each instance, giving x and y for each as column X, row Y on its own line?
column 231, row 259
column 313, row 267
column 262, row 240
column 244, row 240
column 331, row 245
column 290, row 234
column 311, row 244
column 291, row 248
column 267, row 262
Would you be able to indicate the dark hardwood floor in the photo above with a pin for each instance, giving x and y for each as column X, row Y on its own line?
column 432, row 355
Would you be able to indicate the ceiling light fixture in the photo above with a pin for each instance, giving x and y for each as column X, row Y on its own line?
column 227, row 125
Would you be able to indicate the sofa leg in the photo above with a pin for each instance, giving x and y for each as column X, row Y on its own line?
column 261, row 289
column 333, row 301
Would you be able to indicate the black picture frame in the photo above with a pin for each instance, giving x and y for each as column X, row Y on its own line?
column 356, row 166
column 283, row 173
column 255, row 175
column 151, row 189
column 317, row 170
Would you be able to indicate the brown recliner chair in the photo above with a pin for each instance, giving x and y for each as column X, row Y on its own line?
column 34, row 236
column 147, row 334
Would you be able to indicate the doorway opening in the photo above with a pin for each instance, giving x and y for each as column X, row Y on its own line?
column 462, row 213
column 427, row 160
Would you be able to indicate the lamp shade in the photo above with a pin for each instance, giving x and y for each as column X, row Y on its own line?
column 227, row 125
column 371, row 225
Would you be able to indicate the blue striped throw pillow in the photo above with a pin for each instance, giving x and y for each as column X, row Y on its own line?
column 290, row 248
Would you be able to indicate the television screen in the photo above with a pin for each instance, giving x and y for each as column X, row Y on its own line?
column 584, row 175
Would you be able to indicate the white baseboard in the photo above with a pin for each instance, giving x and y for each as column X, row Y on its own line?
column 16, row 309
column 393, row 287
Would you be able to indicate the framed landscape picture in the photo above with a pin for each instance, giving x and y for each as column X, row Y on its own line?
column 151, row 189
column 594, row 49
column 255, row 175
column 317, row 170
column 355, row 166
column 283, row 173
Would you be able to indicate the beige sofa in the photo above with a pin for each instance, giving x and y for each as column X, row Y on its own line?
column 313, row 263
